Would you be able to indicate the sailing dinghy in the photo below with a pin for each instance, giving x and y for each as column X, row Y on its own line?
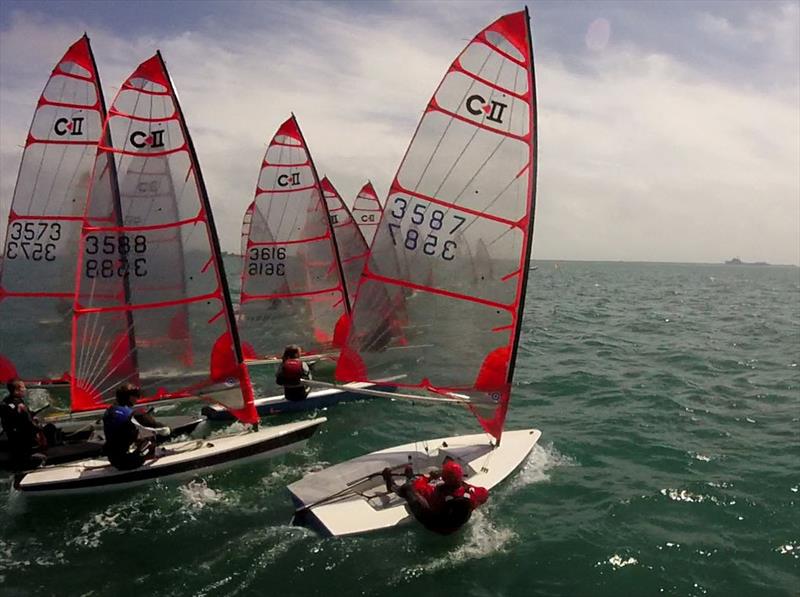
column 351, row 253
column 465, row 188
column 152, row 304
column 37, row 280
column 297, row 272
column 367, row 211
column 352, row 248
column 293, row 289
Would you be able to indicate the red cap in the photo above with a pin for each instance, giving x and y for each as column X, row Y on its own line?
column 452, row 473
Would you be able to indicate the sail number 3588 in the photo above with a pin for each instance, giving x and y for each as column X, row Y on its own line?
column 438, row 228
column 125, row 256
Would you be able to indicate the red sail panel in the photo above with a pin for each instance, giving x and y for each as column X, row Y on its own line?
column 352, row 247
column 152, row 305
column 37, row 281
column 292, row 288
column 367, row 211
column 246, row 220
column 453, row 246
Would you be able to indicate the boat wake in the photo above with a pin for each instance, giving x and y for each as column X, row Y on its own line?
column 196, row 495
column 536, row 468
column 482, row 538
column 109, row 521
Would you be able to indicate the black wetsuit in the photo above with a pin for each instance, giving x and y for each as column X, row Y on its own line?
column 25, row 440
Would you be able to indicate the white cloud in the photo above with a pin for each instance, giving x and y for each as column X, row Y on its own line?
column 641, row 155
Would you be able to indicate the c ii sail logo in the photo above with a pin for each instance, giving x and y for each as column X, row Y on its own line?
column 289, row 180
column 141, row 139
column 493, row 109
column 367, row 217
column 71, row 126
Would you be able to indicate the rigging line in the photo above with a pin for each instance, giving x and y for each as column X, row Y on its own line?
column 513, row 180
column 86, row 148
column 467, row 144
column 286, row 199
column 110, row 372
column 316, row 190
column 96, row 354
column 143, row 159
column 93, row 370
column 41, row 160
column 93, row 85
column 47, row 147
column 85, row 344
column 460, row 194
column 49, row 195
column 446, row 128
column 101, row 359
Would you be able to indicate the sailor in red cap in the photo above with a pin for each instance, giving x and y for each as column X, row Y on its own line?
column 442, row 501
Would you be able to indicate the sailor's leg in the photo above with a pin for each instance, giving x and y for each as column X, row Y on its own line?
column 417, row 504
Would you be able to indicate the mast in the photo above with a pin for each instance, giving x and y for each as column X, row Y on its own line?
column 221, row 275
column 112, row 173
column 525, row 264
column 327, row 219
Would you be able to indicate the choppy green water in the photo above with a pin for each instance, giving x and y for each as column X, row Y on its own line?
column 669, row 400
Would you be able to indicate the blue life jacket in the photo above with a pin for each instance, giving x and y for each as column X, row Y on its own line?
column 118, row 427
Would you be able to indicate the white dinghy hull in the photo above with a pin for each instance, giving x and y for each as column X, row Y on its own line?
column 173, row 460
column 351, row 498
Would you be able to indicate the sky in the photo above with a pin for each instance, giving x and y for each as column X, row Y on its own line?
column 668, row 131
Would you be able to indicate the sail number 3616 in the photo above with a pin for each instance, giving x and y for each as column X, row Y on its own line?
column 266, row 261
column 429, row 243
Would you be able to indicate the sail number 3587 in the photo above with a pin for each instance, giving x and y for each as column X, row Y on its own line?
column 440, row 226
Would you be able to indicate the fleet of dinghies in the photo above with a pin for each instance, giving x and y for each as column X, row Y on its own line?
column 112, row 257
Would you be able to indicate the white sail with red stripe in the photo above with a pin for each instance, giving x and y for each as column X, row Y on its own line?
column 452, row 248
column 367, row 211
column 350, row 241
column 246, row 220
column 37, row 280
column 293, row 290
column 152, row 305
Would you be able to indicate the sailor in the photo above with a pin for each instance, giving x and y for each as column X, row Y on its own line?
column 26, row 441
column 130, row 436
column 290, row 372
column 441, row 501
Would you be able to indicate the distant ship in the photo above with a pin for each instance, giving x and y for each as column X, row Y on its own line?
column 737, row 261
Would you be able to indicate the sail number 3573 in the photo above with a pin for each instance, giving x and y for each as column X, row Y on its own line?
column 33, row 241
column 440, row 227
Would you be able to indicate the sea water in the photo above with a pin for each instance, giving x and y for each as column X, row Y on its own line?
column 668, row 396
